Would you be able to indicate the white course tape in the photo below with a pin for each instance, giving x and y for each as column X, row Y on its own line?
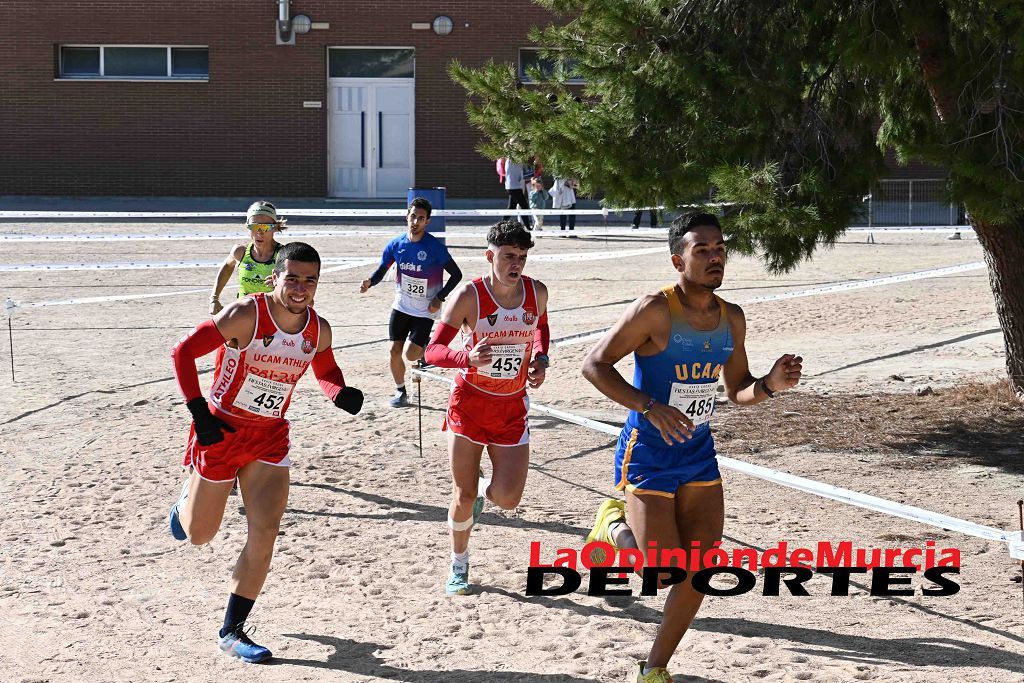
column 128, row 297
column 591, row 255
column 355, row 263
column 114, row 297
column 461, row 231
column 321, row 213
column 1013, row 540
column 154, row 265
column 850, row 285
column 451, row 232
column 182, row 236
column 873, row 282
column 344, row 261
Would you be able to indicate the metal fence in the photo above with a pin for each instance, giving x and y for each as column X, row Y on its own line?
column 909, row 202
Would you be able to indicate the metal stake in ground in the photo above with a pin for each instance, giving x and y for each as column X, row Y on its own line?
column 9, row 307
column 1020, row 517
column 419, row 408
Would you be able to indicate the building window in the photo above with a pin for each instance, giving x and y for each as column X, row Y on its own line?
column 147, row 63
column 531, row 62
column 370, row 62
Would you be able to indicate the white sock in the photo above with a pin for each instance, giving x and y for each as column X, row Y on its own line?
column 460, row 559
column 400, row 388
column 615, row 528
column 481, row 487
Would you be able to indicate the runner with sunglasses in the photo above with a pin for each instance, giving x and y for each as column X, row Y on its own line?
column 256, row 259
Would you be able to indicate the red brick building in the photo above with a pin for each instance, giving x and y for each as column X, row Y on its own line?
column 108, row 97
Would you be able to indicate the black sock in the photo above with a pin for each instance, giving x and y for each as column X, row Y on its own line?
column 236, row 613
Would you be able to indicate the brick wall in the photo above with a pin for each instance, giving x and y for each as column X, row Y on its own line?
column 245, row 131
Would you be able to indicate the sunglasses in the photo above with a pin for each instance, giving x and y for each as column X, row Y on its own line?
column 261, row 227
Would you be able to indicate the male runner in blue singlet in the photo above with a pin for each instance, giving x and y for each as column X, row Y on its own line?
column 684, row 338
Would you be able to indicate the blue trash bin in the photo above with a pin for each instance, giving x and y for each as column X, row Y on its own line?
column 434, row 195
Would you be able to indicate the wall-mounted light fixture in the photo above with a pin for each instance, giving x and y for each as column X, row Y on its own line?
column 442, row 25
column 301, row 24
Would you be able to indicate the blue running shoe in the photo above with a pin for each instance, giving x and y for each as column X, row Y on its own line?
column 238, row 644
column 458, row 580
column 177, row 530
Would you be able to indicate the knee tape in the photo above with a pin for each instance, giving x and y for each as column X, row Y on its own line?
column 465, row 525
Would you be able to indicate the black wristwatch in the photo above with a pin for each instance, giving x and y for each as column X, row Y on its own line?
column 764, row 387
column 543, row 358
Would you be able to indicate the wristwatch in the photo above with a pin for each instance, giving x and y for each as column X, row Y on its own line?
column 543, row 358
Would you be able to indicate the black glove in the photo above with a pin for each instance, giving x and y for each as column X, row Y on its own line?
column 349, row 399
column 208, row 426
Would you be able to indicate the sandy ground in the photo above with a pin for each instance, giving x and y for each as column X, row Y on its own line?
column 92, row 587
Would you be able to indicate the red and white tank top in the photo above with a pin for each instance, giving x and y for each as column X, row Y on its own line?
column 256, row 382
column 510, row 332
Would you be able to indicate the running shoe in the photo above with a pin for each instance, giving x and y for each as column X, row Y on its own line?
column 401, row 398
column 658, row 674
column 458, row 580
column 478, row 508
column 610, row 511
column 177, row 530
column 238, row 644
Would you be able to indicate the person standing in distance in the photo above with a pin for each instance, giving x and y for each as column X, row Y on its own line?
column 683, row 339
column 422, row 261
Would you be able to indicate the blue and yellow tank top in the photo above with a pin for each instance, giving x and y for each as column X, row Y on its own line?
column 684, row 375
column 252, row 274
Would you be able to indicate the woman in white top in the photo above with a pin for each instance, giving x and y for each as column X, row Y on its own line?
column 563, row 196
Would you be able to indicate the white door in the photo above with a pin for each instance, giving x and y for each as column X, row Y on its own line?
column 371, row 137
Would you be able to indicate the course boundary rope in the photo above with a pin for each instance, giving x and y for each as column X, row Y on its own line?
column 846, row 286
column 1013, row 539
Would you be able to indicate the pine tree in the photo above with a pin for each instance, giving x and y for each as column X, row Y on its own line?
column 782, row 109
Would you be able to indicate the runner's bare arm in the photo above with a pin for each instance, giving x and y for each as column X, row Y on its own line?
column 237, row 322
column 636, row 330
column 741, row 387
column 224, row 275
column 329, row 375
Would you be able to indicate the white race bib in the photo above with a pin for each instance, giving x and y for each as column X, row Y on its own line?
column 506, row 360
column 415, row 287
column 696, row 401
column 262, row 396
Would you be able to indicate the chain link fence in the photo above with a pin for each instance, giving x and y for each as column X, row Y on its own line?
column 909, row 202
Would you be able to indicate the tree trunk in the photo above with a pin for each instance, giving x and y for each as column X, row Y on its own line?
column 1004, row 254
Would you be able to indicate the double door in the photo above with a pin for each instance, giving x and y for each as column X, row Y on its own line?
column 372, row 137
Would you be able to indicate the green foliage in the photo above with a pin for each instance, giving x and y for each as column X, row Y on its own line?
column 782, row 109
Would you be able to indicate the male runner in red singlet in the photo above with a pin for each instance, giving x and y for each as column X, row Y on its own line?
column 503, row 318
column 265, row 342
